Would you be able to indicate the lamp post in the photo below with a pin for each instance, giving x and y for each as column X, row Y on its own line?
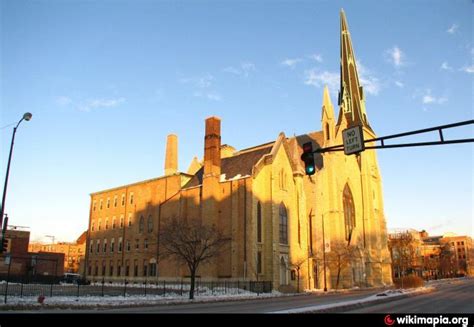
column 26, row 116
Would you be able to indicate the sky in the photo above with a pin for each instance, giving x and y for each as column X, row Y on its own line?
column 106, row 81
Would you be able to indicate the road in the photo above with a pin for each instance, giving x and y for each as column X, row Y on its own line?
column 451, row 297
column 455, row 296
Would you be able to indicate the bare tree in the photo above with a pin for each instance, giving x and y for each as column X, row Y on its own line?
column 403, row 249
column 297, row 264
column 447, row 261
column 340, row 257
column 191, row 243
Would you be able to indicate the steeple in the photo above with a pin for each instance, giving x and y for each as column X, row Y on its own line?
column 327, row 119
column 351, row 95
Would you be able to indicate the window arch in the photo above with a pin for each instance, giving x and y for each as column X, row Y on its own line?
column 349, row 212
column 141, row 224
column 150, row 223
column 283, row 224
column 259, row 222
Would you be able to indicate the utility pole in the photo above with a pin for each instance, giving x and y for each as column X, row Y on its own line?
column 324, row 256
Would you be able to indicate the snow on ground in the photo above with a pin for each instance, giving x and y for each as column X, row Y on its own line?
column 15, row 302
column 371, row 298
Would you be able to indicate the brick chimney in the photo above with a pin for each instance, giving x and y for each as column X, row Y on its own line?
column 171, row 160
column 211, row 192
column 212, row 147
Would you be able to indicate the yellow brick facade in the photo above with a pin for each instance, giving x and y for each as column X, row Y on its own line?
column 261, row 198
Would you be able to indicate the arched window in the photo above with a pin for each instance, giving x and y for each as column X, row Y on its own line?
column 141, row 224
column 259, row 222
column 349, row 211
column 150, row 224
column 283, row 225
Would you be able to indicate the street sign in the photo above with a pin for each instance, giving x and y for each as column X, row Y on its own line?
column 353, row 139
column 327, row 246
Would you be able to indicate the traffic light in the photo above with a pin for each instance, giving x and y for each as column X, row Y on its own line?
column 5, row 243
column 308, row 158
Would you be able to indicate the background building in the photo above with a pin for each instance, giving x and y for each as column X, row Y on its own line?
column 73, row 252
column 430, row 257
column 18, row 264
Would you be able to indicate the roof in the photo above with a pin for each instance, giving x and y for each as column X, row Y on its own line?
column 244, row 160
column 239, row 164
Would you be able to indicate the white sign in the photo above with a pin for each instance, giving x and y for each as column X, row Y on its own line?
column 327, row 246
column 353, row 139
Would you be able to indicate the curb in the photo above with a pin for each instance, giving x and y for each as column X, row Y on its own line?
column 346, row 307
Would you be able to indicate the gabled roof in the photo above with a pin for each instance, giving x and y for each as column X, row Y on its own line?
column 243, row 161
column 239, row 164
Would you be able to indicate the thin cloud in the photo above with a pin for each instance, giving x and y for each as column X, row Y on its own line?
column 370, row 83
column 291, row 62
column 204, row 81
column 395, row 56
column 89, row 104
column 399, row 84
column 202, row 87
column 445, row 66
column 213, row 96
column 469, row 69
column 428, row 98
column 63, row 100
column 243, row 70
column 316, row 57
column 452, row 29
column 100, row 103
column 319, row 79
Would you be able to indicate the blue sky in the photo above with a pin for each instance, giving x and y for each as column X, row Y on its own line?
column 106, row 81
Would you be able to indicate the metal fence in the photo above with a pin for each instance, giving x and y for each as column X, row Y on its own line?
column 159, row 288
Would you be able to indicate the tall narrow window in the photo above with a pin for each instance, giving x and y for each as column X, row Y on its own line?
column 150, row 224
column 108, row 203
column 123, row 200
column 349, row 212
column 259, row 222
column 115, row 201
column 328, row 135
column 131, row 198
column 114, row 222
column 112, row 245
column 121, row 221
column 94, row 205
column 120, row 245
column 141, row 224
column 129, row 219
column 92, row 226
column 105, row 246
column 283, row 224
column 106, row 223
column 100, row 204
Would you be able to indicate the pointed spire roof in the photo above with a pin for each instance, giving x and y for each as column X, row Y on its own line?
column 351, row 96
column 328, row 108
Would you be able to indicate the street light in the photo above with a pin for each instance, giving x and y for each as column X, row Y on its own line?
column 26, row 116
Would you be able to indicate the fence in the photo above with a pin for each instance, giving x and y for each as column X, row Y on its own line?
column 160, row 288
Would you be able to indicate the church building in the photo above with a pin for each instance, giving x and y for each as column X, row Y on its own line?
column 284, row 225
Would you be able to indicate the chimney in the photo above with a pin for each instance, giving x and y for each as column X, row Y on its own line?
column 212, row 148
column 171, row 160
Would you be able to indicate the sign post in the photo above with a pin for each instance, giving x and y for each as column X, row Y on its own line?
column 353, row 139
